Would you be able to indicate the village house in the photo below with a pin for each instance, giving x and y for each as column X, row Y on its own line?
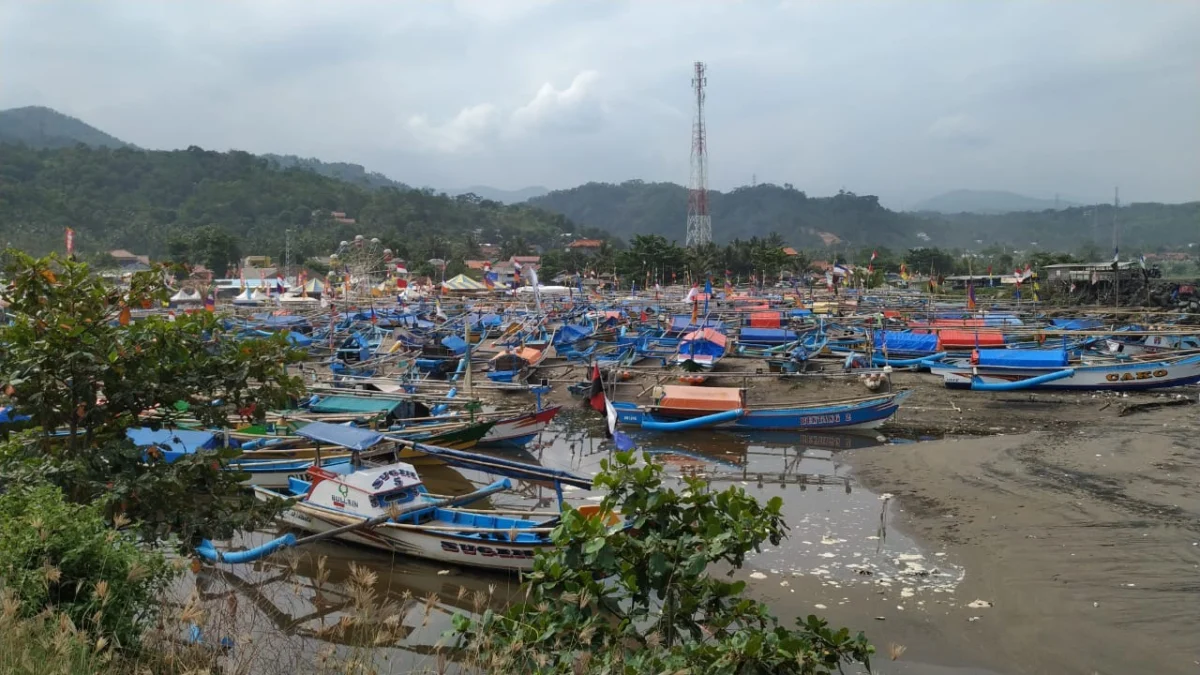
column 586, row 246
column 128, row 262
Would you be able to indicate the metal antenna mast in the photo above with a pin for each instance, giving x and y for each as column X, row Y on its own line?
column 699, row 222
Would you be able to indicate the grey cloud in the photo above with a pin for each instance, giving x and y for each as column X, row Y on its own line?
column 897, row 99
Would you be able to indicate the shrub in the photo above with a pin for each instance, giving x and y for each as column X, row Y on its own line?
column 55, row 554
column 641, row 600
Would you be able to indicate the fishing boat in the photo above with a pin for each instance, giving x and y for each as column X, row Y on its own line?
column 1042, row 369
column 358, row 504
column 332, row 499
column 518, row 431
column 515, row 365
column 273, row 470
column 1149, row 344
column 699, row 351
column 677, row 408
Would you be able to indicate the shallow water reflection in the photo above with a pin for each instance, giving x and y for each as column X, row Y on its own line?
column 316, row 602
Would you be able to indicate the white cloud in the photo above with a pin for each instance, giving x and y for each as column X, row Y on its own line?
column 467, row 131
column 475, row 127
column 573, row 108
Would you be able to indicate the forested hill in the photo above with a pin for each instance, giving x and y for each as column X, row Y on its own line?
column 636, row 207
column 351, row 173
column 160, row 203
column 40, row 127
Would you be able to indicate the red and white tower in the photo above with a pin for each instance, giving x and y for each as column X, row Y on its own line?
column 699, row 222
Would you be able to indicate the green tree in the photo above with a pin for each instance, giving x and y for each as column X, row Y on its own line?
column 605, row 600
column 72, row 360
column 925, row 260
column 215, row 249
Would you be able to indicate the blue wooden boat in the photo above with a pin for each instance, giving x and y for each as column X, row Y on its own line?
column 680, row 408
column 701, row 349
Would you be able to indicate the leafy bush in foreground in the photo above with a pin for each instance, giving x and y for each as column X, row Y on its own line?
column 62, row 555
column 608, row 601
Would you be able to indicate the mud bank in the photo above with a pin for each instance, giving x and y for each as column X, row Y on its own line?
column 1085, row 537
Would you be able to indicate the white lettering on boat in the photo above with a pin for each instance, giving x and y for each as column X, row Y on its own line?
column 485, row 551
column 815, row 420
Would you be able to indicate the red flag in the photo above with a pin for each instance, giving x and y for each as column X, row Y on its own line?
column 596, row 397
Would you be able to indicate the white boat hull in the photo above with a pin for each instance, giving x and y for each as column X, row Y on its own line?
column 441, row 546
column 1133, row 375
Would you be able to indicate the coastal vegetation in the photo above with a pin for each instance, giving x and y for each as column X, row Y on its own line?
column 87, row 520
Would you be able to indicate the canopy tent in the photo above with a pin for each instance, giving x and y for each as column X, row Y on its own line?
column 463, row 283
column 248, row 297
column 314, row 287
column 187, row 295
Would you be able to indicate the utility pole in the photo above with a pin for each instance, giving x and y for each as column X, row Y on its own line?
column 1116, row 243
column 287, row 254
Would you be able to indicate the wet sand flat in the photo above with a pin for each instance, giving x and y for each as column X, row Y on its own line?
column 1086, row 540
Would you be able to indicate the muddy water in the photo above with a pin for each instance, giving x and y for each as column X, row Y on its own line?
column 843, row 559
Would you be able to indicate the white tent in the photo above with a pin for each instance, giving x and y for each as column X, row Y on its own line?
column 248, row 297
column 187, row 295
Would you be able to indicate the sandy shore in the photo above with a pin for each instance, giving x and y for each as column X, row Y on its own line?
column 1085, row 538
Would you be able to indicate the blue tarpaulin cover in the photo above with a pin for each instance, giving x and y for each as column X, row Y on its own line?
column 766, row 336
column 339, row 434
column 455, row 344
column 1076, row 324
column 1023, row 358
column 571, row 333
column 902, row 342
column 683, row 322
column 173, row 440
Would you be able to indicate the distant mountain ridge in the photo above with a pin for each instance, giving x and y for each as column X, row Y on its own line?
column 987, row 201
column 502, row 196
column 40, row 128
column 960, row 219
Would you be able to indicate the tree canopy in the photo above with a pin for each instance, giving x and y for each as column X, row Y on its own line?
column 145, row 200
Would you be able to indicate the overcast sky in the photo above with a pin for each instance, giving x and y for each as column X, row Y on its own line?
column 903, row 99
